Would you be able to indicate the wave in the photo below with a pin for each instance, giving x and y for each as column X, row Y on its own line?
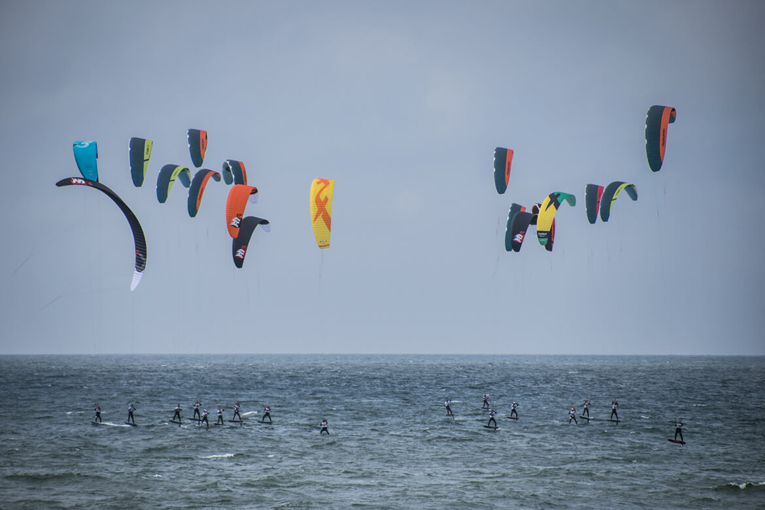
column 751, row 487
column 221, row 456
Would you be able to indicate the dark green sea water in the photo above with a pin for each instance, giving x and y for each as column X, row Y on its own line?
column 391, row 445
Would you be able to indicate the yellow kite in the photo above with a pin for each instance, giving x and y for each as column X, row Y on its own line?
column 321, row 210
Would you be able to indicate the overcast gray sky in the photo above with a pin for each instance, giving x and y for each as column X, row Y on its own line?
column 402, row 103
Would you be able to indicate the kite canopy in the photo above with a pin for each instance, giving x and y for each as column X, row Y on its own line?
column 503, row 160
column 547, row 212
column 86, row 156
column 197, row 146
column 139, row 240
column 139, row 151
column 656, row 122
column 519, row 228
column 321, row 210
column 242, row 241
column 197, row 189
column 236, row 203
column 592, row 195
column 167, row 176
column 234, row 171
column 514, row 209
column 609, row 196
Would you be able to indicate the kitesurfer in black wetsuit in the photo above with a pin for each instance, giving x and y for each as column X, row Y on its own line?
column 485, row 401
column 204, row 419
column 514, row 411
column 267, row 414
column 324, row 426
column 197, row 405
column 220, row 417
column 131, row 408
column 177, row 413
column 679, row 430
column 586, row 408
column 447, row 405
column 572, row 416
column 236, row 412
column 97, row 417
column 491, row 418
column 614, row 405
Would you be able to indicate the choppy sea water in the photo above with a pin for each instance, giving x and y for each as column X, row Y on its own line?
column 391, row 443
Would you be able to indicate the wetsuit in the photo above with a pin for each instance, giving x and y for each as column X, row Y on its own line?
column 204, row 418
column 614, row 405
column 447, row 405
column 177, row 413
column 485, row 402
column 130, row 414
column 267, row 414
column 236, row 411
column 586, row 408
column 220, row 417
column 572, row 416
column 513, row 410
column 491, row 418
column 324, row 426
column 98, row 414
column 197, row 414
column 679, row 430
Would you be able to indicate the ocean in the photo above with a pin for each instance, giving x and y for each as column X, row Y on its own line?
column 391, row 444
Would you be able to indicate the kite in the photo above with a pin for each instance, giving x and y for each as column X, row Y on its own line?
column 656, row 123
column 321, row 210
column 139, row 152
column 139, row 240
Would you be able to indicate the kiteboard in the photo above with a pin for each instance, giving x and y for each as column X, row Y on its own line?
column 131, row 424
column 235, row 421
column 194, row 419
column 586, row 417
column 490, row 427
column 512, row 417
column 173, row 421
column 617, row 421
column 675, row 441
column 266, row 422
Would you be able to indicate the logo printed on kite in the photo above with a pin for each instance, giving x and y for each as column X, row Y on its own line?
column 519, row 237
column 235, row 222
column 241, row 252
column 76, row 180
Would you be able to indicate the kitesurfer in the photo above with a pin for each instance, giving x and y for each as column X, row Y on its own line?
column 514, row 410
column 220, row 417
column 324, row 426
column 131, row 408
column 98, row 413
column 485, row 401
column 586, row 408
column 491, row 418
column 197, row 406
column 447, row 405
column 267, row 414
column 679, row 430
column 177, row 413
column 236, row 411
column 204, row 419
column 572, row 416
column 614, row 405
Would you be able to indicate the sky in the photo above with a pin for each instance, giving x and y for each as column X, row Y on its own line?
column 401, row 103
